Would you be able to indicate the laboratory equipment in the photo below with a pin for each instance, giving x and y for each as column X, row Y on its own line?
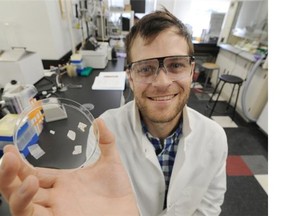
column 17, row 97
column 21, row 65
column 95, row 56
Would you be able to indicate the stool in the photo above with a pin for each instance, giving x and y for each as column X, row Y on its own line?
column 210, row 67
column 230, row 79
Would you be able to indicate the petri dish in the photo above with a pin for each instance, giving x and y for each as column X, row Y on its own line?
column 55, row 133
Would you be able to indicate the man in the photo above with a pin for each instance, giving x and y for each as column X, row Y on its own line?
column 169, row 160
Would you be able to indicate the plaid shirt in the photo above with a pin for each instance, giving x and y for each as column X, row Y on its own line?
column 166, row 151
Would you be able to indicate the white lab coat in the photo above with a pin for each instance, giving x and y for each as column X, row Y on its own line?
column 198, row 181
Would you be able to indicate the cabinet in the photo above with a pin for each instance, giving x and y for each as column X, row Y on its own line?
column 240, row 63
column 262, row 121
column 246, row 25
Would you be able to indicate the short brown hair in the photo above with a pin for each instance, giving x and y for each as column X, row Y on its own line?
column 151, row 25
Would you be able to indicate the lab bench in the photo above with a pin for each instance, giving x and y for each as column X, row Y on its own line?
column 80, row 90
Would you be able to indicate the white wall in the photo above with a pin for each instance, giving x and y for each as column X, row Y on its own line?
column 195, row 13
column 168, row 4
column 38, row 26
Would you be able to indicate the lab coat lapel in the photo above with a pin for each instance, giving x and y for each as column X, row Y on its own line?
column 179, row 173
column 146, row 146
column 182, row 145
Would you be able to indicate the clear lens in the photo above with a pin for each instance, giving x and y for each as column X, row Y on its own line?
column 145, row 71
column 176, row 67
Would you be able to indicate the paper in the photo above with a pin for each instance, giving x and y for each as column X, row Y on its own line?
column 36, row 151
column 77, row 150
column 82, row 126
column 71, row 135
column 110, row 81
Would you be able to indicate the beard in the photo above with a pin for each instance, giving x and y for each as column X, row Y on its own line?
column 166, row 115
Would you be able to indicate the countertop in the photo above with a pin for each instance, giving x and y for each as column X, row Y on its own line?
column 244, row 54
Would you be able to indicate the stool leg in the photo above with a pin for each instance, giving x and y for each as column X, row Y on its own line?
column 215, row 102
column 206, row 81
column 218, row 71
column 214, row 91
column 230, row 97
column 239, row 86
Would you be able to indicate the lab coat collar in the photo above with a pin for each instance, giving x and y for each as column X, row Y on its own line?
column 187, row 125
column 147, row 148
column 137, row 127
column 136, row 121
column 182, row 153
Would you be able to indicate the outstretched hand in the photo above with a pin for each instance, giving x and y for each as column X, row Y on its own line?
column 102, row 188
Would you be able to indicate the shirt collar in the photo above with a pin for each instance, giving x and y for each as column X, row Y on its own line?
column 156, row 141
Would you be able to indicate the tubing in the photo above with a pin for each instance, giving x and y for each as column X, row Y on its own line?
column 246, row 85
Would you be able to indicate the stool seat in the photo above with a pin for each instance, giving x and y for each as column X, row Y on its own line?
column 231, row 79
column 210, row 66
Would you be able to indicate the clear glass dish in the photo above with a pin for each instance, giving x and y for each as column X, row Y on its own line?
column 55, row 133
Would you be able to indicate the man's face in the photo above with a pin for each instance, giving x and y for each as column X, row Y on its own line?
column 161, row 101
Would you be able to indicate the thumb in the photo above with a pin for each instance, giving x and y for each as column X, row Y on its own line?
column 106, row 139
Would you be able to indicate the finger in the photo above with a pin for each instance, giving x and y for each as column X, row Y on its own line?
column 106, row 139
column 46, row 176
column 9, row 180
column 105, row 136
column 21, row 199
column 43, row 197
column 24, row 168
